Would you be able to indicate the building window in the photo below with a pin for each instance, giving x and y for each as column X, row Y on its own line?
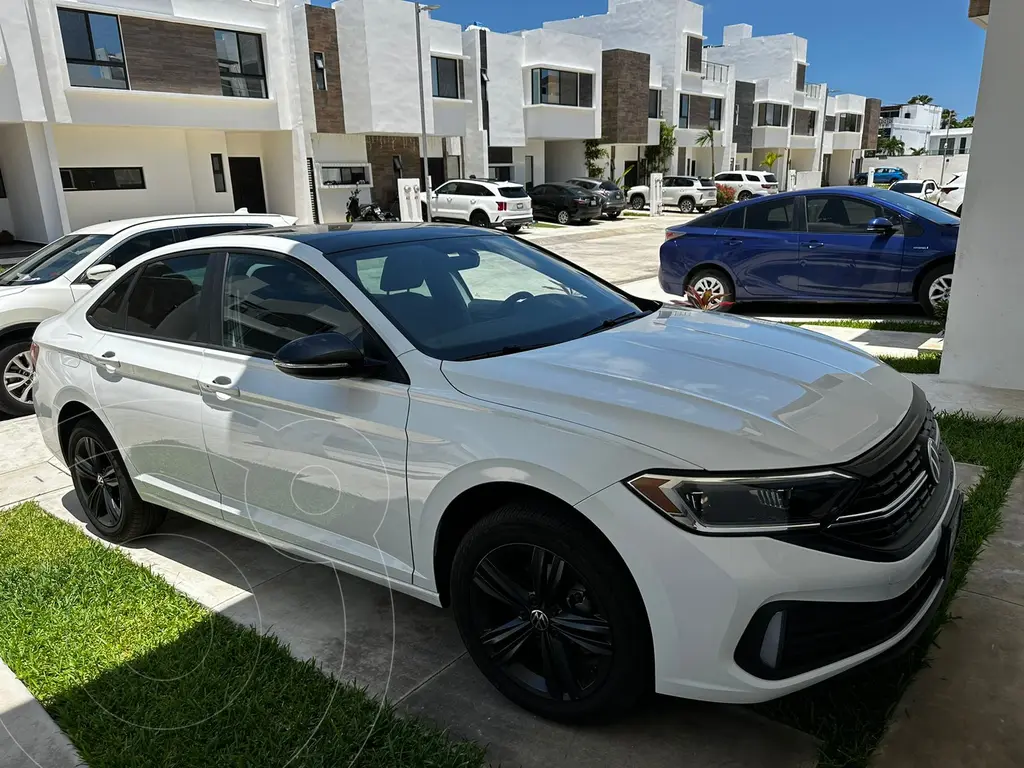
column 219, row 181
column 694, row 54
column 654, row 103
column 319, row 71
column 447, row 75
column 92, row 48
column 804, row 122
column 963, row 151
column 501, row 172
column 830, row 123
column 3, row 189
column 240, row 56
column 773, row 115
column 801, row 77
column 684, row 110
column 90, row 179
column 849, row 122
column 715, row 114
column 343, row 175
column 569, row 89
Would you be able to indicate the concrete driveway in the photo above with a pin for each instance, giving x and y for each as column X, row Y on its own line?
column 397, row 646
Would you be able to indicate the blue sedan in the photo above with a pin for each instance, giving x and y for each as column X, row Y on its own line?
column 839, row 244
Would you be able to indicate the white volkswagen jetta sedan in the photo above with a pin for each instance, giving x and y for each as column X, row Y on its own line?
column 613, row 495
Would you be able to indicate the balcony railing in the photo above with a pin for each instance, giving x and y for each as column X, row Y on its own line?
column 814, row 90
column 948, row 152
column 716, row 73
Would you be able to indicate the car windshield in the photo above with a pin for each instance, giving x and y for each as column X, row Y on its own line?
column 53, row 260
column 481, row 296
column 907, row 187
column 513, row 191
column 919, row 207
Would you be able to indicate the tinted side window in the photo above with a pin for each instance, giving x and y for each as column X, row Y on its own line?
column 846, row 215
column 711, row 221
column 729, row 177
column 446, row 189
column 138, row 245
column 735, row 218
column 269, row 302
column 751, row 177
column 773, row 216
column 107, row 312
column 475, row 190
column 164, row 303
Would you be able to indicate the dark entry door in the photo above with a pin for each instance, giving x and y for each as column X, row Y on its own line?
column 247, row 183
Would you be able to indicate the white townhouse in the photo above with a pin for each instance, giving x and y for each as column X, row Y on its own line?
column 536, row 97
column 119, row 108
column 689, row 88
column 913, row 124
column 851, row 128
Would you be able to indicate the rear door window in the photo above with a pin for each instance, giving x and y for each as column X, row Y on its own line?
column 833, row 214
column 165, row 299
column 771, row 215
column 138, row 245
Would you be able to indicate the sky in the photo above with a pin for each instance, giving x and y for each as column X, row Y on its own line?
column 887, row 49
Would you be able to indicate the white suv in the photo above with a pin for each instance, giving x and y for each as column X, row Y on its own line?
column 951, row 194
column 482, row 203
column 749, row 184
column 54, row 277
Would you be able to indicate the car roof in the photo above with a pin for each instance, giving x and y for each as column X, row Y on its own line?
column 119, row 225
column 567, row 184
column 916, row 181
column 495, row 182
column 335, row 238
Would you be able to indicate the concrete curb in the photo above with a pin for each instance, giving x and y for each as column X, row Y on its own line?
column 28, row 737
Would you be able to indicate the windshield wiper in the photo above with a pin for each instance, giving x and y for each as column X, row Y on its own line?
column 507, row 350
column 612, row 322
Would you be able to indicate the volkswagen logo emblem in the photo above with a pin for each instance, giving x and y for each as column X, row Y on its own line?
column 539, row 620
column 934, row 465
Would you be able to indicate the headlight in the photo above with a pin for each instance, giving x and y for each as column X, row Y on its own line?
column 745, row 504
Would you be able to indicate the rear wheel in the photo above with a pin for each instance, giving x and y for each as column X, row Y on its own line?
column 686, row 205
column 563, row 217
column 479, row 219
column 104, row 488
column 637, row 202
column 935, row 288
column 716, row 285
column 744, row 195
column 18, row 373
column 550, row 614
column 513, row 228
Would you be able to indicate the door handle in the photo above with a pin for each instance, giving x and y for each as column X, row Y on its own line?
column 733, row 241
column 815, row 244
column 219, row 386
column 109, row 360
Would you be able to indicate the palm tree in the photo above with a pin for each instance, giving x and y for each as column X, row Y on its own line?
column 770, row 160
column 918, row 152
column 707, row 139
column 923, row 98
column 891, row 147
column 967, row 122
column 949, row 119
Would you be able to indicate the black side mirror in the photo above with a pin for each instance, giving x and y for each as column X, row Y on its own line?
column 880, row 225
column 323, row 356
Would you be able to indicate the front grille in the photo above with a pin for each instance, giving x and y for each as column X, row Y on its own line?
column 897, row 504
column 815, row 634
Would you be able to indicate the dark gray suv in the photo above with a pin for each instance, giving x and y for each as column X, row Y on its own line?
column 613, row 199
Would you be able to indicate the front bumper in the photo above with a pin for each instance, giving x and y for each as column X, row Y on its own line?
column 703, row 593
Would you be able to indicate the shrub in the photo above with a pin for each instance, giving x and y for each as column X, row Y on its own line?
column 726, row 195
column 941, row 310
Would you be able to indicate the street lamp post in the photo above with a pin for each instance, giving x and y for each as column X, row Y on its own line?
column 420, row 8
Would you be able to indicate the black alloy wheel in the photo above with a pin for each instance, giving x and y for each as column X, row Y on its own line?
column 551, row 614
column 540, row 623
column 96, row 476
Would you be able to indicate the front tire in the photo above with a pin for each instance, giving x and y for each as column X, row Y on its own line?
column 104, row 488
column 18, row 373
column 935, row 287
column 551, row 615
column 718, row 283
column 563, row 217
column 686, row 205
column 637, row 202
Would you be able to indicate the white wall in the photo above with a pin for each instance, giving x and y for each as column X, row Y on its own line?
column 506, row 99
column 986, row 313
column 560, row 50
column 563, row 160
column 771, row 56
column 956, row 134
column 338, row 149
column 199, row 145
column 285, row 177
column 923, row 166
column 21, row 81
column 31, row 178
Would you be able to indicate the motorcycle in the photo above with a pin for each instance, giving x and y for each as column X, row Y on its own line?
column 365, row 212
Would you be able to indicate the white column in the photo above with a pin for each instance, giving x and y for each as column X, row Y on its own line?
column 986, row 314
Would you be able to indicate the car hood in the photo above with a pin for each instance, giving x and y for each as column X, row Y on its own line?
column 718, row 392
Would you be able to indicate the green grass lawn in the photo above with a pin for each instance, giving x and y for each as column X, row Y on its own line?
column 925, row 362
column 849, row 714
column 915, row 326
column 138, row 675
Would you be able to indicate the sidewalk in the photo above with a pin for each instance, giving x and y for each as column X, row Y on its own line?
column 966, row 708
column 28, row 737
